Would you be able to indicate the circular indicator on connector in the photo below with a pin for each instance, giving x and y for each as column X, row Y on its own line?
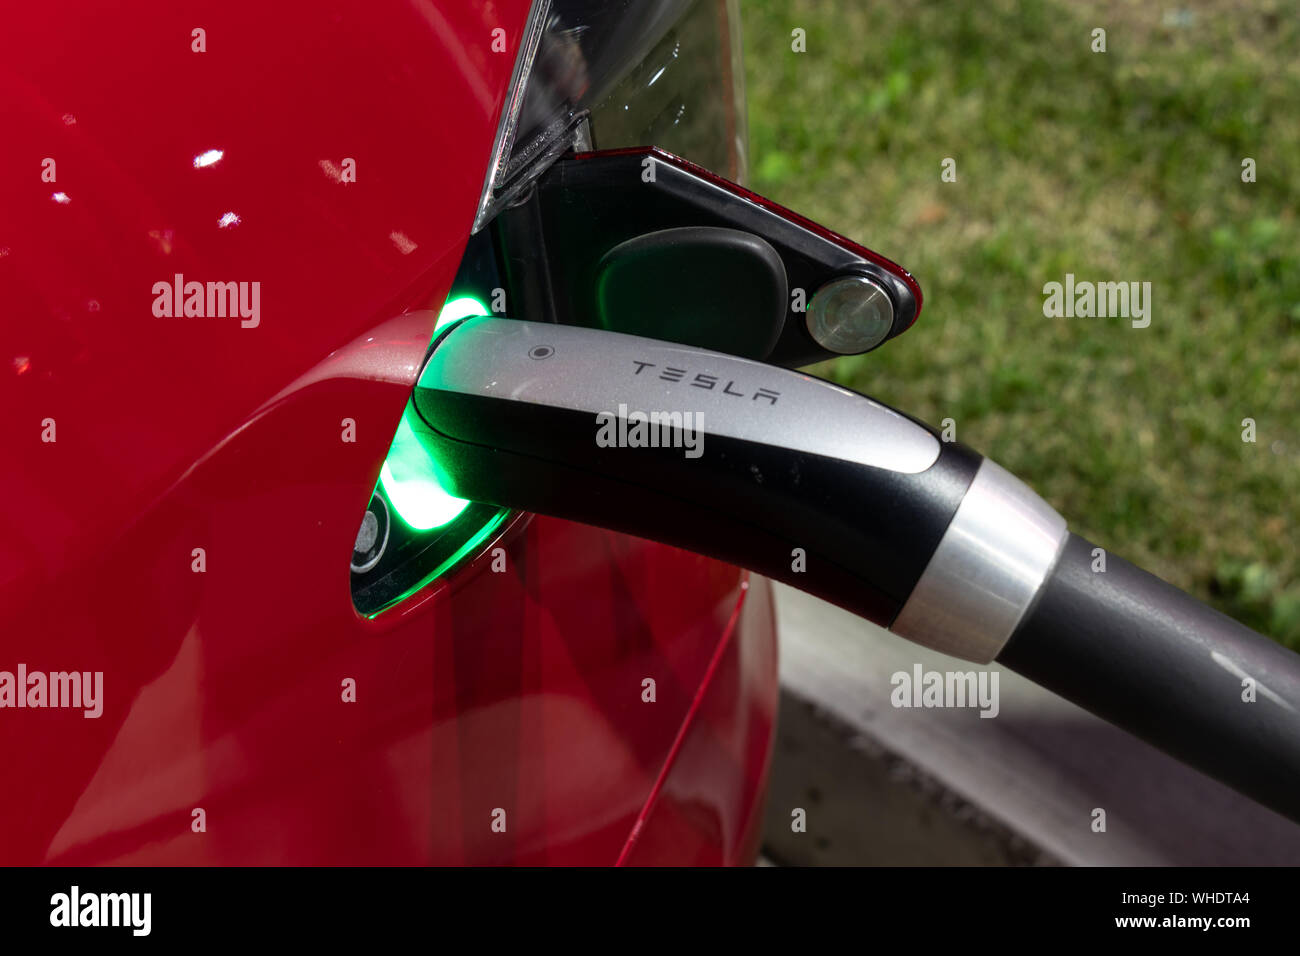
column 372, row 536
column 850, row 315
column 541, row 352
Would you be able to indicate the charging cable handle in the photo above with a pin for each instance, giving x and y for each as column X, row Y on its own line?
column 1153, row 660
column 847, row 499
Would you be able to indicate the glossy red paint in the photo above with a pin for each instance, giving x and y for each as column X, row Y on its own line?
column 222, row 689
column 707, row 808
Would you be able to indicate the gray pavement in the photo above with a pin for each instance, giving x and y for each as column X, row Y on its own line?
column 883, row 784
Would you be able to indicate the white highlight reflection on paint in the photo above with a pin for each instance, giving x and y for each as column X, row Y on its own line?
column 209, row 158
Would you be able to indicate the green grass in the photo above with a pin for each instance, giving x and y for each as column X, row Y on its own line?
column 1116, row 166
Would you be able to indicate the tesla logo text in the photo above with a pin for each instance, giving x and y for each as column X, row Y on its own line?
column 82, row 689
column 75, row 908
column 208, row 300
column 626, row 429
column 668, row 373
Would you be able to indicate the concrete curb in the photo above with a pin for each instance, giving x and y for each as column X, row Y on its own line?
column 1030, row 778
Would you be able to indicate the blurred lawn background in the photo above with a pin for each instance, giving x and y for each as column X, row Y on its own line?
column 1116, row 166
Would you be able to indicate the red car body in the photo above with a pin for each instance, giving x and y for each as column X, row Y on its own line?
column 179, row 496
